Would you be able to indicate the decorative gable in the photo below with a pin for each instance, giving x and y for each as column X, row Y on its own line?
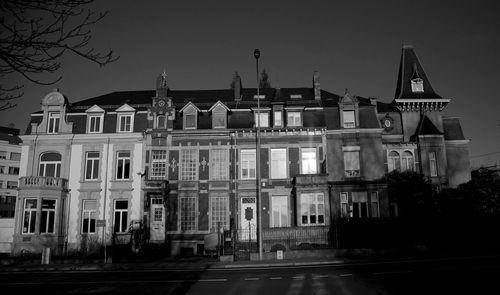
column 95, row 109
column 125, row 108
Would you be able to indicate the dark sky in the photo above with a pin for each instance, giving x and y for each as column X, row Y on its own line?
column 353, row 44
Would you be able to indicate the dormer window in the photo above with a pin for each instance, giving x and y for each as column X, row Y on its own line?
column 294, row 118
column 417, row 85
column 278, row 118
column 95, row 123
column 349, row 119
column 125, row 118
column 54, row 119
column 262, row 119
column 219, row 115
column 190, row 116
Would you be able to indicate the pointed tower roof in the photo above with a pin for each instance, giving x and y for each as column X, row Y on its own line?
column 412, row 80
column 426, row 127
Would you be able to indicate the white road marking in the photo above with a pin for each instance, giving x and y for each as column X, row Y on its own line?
column 298, row 277
column 319, row 277
column 345, row 275
column 212, row 280
column 251, row 279
column 275, row 278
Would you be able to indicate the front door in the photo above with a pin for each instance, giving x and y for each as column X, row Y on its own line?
column 248, row 219
column 157, row 220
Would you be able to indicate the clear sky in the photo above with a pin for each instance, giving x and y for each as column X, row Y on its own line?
column 353, row 44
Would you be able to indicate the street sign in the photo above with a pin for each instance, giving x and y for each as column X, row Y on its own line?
column 248, row 213
column 100, row 223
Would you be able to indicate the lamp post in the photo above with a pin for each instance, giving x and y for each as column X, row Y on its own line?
column 256, row 54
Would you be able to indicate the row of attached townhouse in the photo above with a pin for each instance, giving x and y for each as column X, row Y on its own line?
column 183, row 162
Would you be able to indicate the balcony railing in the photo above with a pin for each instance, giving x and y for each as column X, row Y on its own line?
column 43, row 182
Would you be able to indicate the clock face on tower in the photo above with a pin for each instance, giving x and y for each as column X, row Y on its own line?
column 387, row 122
column 161, row 103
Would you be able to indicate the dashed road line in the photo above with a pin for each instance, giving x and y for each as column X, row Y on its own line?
column 212, row 280
column 251, row 279
column 275, row 278
column 298, row 277
column 320, row 277
column 345, row 275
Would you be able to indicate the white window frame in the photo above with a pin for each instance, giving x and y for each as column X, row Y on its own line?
column 53, row 123
column 190, row 111
column 359, row 198
column 248, row 161
column 122, row 214
column 125, row 128
column 97, row 128
column 345, row 208
column 264, row 119
column 393, row 161
column 42, row 167
column 308, row 165
column 219, row 164
column 189, row 164
column 217, row 114
column 279, row 163
column 3, row 155
column 122, row 161
column 92, row 165
column 294, row 118
column 158, row 166
column 417, row 85
column 278, row 118
column 314, row 201
column 352, row 162
column 433, row 168
column 407, row 161
column 89, row 214
column 188, row 213
column 280, row 216
column 161, row 126
column 49, row 219
column 29, row 216
column 219, row 210
column 347, row 115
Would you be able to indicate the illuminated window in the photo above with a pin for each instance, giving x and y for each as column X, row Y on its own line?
column 293, row 119
column 351, row 163
column 219, row 164
column 278, row 118
column 308, row 160
column 262, row 119
column 189, row 165
column 349, row 120
column 312, row 209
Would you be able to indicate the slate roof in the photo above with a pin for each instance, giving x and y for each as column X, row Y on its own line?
column 452, row 129
column 10, row 135
column 426, row 127
column 410, row 68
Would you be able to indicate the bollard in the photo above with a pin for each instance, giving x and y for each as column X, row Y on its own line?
column 46, row 256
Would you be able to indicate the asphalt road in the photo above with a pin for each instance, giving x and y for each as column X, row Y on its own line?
column 476, row 275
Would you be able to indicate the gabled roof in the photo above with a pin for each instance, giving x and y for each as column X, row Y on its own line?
column 219, row 103
column 95, row 109
column 125, row 108
column 189, row 104
column 410, row 68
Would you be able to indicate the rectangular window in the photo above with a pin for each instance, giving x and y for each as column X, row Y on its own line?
column 161, row 121
column 122, row 165
column 12, row 184
column 125, row 121
column 189, row 165
column 3, row 155
column 312, row 209
column 293, row 119
column 190, row 120
column 308, row 161
column 278, row 164
column 247, row 162
column 219, row 120
column 359, row 205
column 351, row 163
column 92, row 166
column 433, row 164
column 349, row 119
column 188, row 213
column 374, row 204
column 158, row 164
column 95, row 123
column 53, row 126
column 14, row 170
column 219, row 164
column 279, row 211
column 219, row 211
column 2, row 169
column 29, row 216
column 121, row 216
column 48, row 216
column 89, row 214
column 15, row 156
column 345, row 211
column 278, row 119
column 264, row 119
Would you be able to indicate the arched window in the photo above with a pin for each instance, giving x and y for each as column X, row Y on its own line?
column 393, row 161
column 160, row 121
column 50, row 165
column 408, row 161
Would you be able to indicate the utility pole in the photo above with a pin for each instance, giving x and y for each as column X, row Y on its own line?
column 256, row 54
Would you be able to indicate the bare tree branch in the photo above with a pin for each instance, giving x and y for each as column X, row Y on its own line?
column 35, row 34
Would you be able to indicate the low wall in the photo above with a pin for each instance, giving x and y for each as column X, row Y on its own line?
column 6, row 234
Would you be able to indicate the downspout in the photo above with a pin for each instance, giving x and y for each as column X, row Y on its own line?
column 68, row 204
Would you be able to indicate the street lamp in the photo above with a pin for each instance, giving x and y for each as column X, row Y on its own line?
column 256, row 54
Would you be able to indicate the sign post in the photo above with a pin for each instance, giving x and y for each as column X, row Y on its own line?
column 249, row 216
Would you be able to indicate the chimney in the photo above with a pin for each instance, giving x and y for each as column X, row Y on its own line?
column 237, row 88
column 317, row 89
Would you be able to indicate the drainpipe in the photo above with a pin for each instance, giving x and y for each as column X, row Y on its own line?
column 104, row 207
column 68, row 204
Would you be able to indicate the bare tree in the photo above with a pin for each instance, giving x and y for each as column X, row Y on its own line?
column 35, row 34
column 264, row 80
